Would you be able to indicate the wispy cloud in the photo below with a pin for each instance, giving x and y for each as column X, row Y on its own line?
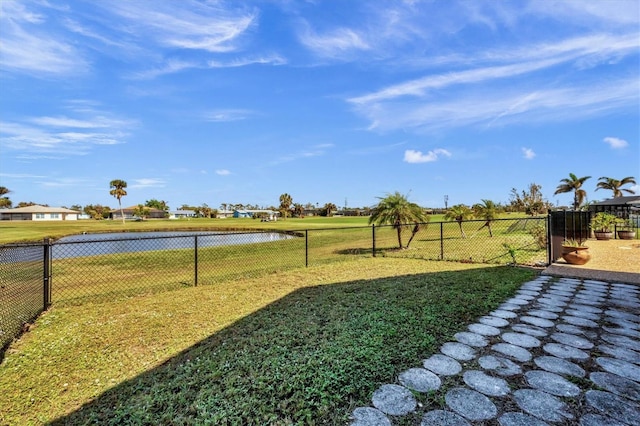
column 335, row 43
column 223, row 172
column 27, row 47
column 504, row 106
column 616, row 143
column 187, row 24
column 148, row 183
column 412, row 156
column 272, row 59
column 315, row 151
column 225, row 115
column 528, row 153
column 63, row 135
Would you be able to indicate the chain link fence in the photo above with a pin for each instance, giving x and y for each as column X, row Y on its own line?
column 100, row 268
column 23, row 288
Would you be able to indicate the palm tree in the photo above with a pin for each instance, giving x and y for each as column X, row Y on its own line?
column 4, row 201
column 573, row 183
column 285, row 204
column 118, row 190
column 487, row 210
column 615, row 185
column 395, row 209
column 459, row 213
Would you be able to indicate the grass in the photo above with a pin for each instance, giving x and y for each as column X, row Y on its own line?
column 303, row 346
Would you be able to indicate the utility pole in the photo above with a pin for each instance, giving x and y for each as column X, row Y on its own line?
column 446, row 202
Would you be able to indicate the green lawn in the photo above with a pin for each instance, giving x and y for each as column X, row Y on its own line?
column 303, row 346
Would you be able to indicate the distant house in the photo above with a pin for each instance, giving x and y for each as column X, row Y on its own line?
column 129, row 213
column 39, row 213
column 619, row 206
column 264, row 214
column 182, row 214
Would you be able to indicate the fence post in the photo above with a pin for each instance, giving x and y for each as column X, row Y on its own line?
column 46, row 278
column 549, row 237
column 373, row 239
column 306, row 248
column 195, row 262
column 441, row 241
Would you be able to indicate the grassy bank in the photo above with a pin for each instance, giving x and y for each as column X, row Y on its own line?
column 303, row 346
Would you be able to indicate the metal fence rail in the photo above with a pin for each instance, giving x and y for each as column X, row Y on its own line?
column 106, row 267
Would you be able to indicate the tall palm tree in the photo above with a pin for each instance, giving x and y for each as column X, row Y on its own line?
column 118, row 190
column 285, row 204
column 487, row 210
column 459, row 213
column 615, row 185
column 573, row 183
column 395, row 209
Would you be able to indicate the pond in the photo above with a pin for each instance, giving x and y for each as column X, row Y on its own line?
column 125, row 242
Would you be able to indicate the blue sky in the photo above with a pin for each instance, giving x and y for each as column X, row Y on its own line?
column 216, row 102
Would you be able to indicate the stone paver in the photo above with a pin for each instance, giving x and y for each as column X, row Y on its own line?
column 393, row 399
column 542, row 405
column 499, row 365
column 470, row 404
column 420, row 379
column 560, row 351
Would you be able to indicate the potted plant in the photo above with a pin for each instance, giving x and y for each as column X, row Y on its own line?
column 603, row 224
column 575, row 252
column 626, row 230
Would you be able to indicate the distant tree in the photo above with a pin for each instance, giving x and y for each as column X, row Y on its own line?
column 487, row 210
column 529, row 201
column 395, row 209
column 615, row 185
column 97, row 211
column 459, row 213
column 206, row 211
column 118, row 190
column 141, row 211
column 573, row 184
column 285, row 204
column 298, row 210
column 77, row 207
column 157, row 204
column 328, row 209
column 5, row 202
column 30, row 203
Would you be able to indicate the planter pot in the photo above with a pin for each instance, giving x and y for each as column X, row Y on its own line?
column 626, row 235
column 600, row 235
column 576, row 255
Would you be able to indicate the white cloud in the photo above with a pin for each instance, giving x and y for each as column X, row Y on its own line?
column 335, row 43
column 28, row 47
column 528, row 153
column 504, row 106
column 223, row 172
column 412, row 156
column 616, row 143
column 148, row 183
column 224, row 115
column 186, row 24
column 62, row 135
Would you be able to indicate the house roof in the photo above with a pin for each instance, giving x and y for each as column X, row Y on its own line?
column 619, row 201
column 39, row 209
column 151, row 209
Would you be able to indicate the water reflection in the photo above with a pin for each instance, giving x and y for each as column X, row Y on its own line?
column 99, row 244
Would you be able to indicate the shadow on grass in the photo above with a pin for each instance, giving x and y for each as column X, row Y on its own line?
column 309, row 357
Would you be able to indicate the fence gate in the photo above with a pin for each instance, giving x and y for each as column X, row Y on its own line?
column 565, row 225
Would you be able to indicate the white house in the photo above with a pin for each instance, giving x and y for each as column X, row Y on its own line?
column 39, row 213
column 182, row 214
